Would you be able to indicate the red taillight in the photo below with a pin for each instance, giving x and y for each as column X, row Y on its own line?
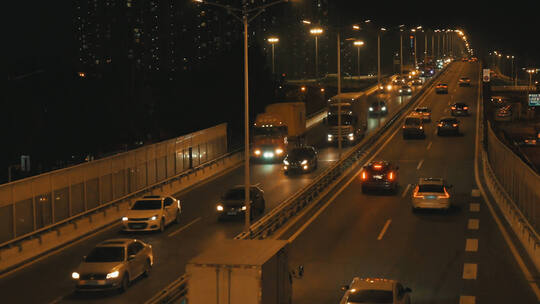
column 391, row 176
column 454, row 125
column 445, row 195
column 453, row 108
column 415, row 193
column 364, row 175
column 465, row 108
column 440, row 125
column 378, row 167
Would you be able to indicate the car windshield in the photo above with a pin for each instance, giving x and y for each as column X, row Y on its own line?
column 449, row 121
column 234, row 194
column 422, row 110
column 371, row 296
column 105, row 254
column 269, row 131
column 300, row 153
column 377, row 104
column 412, row 121
column 431, row 188
column 147, row 205
column 345, row 120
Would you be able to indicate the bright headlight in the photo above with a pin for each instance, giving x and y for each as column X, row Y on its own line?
column 371, row 108
column 286, row 162
column 153, row 218
column 304, row 162
column 113, row 275
column 75, row 275
column 219, row 208
column 329, row 135
column 124, row 218
column 244, row 207
column 279, row 151
column 351, row 134
column 257, row 152
column 383, row 108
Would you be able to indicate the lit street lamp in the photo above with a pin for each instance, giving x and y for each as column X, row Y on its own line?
column 245, row 15
column 316, row 32
column 273, row 41
column 358, row 44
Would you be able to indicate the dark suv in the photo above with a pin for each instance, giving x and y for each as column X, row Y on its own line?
column 300, row 159
column 413, row 126
column 379, row 175
column 233, row 205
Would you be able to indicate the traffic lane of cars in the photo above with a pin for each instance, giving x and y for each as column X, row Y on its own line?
column 367, row 221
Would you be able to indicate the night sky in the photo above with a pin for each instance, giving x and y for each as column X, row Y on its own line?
column 511, row 28
column 43, row 32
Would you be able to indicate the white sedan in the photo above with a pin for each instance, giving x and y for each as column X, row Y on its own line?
column 431, row 193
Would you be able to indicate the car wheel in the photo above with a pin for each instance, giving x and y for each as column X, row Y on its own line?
column 147, row 268
column 125, row 283
column 438, row 133
column 364, row 190
column 162, row 225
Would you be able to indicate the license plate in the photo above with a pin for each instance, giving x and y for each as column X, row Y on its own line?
column 377, row 176
column 91, row 282
column 231, row 213
column 431, row 197
column 137, row 226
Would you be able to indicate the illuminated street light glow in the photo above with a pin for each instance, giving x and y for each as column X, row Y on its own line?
column 316, row 31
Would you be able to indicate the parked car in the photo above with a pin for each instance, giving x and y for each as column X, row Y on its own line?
column 300, row 159
column 113, row 264
column 233, row 205
column 151, row 213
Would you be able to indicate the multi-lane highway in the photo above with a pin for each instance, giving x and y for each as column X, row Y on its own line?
column 48, row 278
column 454, row 257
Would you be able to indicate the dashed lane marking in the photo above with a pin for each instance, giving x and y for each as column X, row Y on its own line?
column 406, row 190
column 429, row 145
column 470, row 271
column 471, row 245
column 475, row 193
column 383, row 231
column 467, row 300
column 474, row 207
column 419, row 164
column 184, row 227
column 473, row 224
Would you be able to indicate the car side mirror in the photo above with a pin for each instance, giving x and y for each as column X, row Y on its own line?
column 344, row 287
column 131, row 257
column 298, row 273
column 407, row 289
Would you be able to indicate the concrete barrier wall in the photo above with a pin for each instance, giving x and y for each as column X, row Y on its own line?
column 57, row 237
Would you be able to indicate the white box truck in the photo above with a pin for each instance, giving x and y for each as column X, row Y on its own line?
column 241, row 272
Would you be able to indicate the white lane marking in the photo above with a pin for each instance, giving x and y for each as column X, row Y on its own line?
column 406, row 190
column 184, row 227
column 473, row 224
column 469, row 271
column 419, row 164
column 57, row 300
column 528, row 275
column 383, row 231
column 471, row 245
column 475, row 193
column 467, row 300
column 429, row 145
column 474, row 207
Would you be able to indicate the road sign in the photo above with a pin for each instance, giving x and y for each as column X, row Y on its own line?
column 485, row 75
column 534, row 100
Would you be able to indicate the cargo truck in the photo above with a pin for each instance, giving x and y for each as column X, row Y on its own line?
column 241, row 272
column 353, row 108
column 279, row 127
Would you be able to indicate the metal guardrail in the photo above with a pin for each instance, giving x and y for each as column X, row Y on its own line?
column 265, row 226
column 294, row 204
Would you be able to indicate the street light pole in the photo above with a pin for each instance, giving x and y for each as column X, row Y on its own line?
column 273, row 41
column 339, row 92
column 316, row 32
column 245, row 18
